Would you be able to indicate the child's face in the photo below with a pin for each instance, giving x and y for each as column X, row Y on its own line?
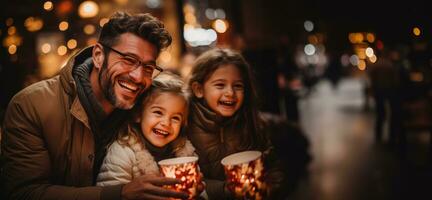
column 162, row 118
column 223, row 91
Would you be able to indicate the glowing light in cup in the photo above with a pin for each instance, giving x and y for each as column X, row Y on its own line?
column 245, row 173
column 184, row 169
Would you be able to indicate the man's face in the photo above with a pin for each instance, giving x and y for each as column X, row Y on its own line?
column 120, row 83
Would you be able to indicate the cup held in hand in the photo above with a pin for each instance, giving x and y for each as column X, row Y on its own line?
column 245, row 173
column 184, row 169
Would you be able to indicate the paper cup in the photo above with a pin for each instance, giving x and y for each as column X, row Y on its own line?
column 184, row 169
column 245, row 173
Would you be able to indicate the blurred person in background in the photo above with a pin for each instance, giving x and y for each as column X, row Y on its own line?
column 386, row 85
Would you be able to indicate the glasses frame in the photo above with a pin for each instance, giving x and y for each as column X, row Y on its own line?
column 140, row 63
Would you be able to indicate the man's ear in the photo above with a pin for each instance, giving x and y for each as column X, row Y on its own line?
column 98, row 56
column 197, row 89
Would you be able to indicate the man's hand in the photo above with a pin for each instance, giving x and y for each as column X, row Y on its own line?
column 151, row 187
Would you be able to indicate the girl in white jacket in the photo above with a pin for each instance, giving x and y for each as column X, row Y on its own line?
column 155, row 134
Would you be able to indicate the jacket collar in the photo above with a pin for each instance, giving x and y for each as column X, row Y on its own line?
column 66, row 78
column 206, row 119
column 69, row 85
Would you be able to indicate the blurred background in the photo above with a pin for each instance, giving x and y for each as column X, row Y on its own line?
column 354, row 75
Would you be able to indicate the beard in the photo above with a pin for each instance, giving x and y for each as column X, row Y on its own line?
column 107, row 87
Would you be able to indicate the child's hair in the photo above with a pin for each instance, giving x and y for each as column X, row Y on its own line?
column 207, row 63
column 166, row 82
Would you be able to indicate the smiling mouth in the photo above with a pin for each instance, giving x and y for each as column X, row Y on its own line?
column 228, row 103
column 128, row 86
column 160, row 132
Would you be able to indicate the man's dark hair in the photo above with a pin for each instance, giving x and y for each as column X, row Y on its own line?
column 143, row 25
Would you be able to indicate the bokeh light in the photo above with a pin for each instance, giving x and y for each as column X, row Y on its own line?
column 72, row 44
column 46, row 48
column 88, row 9
column 12, row 49
column 48, row 6
column 62, row 50
column 64, row 25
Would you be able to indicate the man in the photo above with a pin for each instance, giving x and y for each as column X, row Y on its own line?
column 56, row 132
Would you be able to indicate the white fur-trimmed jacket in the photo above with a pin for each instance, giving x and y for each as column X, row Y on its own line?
column 129, row 158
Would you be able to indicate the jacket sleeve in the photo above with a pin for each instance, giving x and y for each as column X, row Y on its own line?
column 117, row 167
column 26, row 171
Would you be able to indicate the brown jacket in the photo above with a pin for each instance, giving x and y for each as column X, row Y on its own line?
column 47, row 142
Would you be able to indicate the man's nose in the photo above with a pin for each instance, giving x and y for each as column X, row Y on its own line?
column 137, row 75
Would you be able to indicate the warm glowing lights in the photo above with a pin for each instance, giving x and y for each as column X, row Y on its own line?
column 245, row 173
column 62, row 50
column 373, row 59
column 187, row 8
column 12, row 49
column 308, row 25
column 165, row 56
column 369, row 52
column 64, row 25
column 64, row 7
column 416, row 31
column 92, row 41
column 188, row 27
column 122, row 2
column 12, row 30
column 360, row 37
column 88, row 9
column 12, row 40
column 220, row 26
column 370, row 37
column 361, row 65
column 89, row 29
column 356, row 38
column 72, row 44
column 33, row 24
column 416, row 76
column 103, row 21
column 48, row 6
column 46, row 48
column 183, row 168
column 313, row 39
column 190, row 18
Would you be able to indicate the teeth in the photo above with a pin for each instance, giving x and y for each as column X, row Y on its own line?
column 229, row 103
column 128, row 85
column 161, row 132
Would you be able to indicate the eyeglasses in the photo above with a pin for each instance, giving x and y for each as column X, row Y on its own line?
column 150, row 69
